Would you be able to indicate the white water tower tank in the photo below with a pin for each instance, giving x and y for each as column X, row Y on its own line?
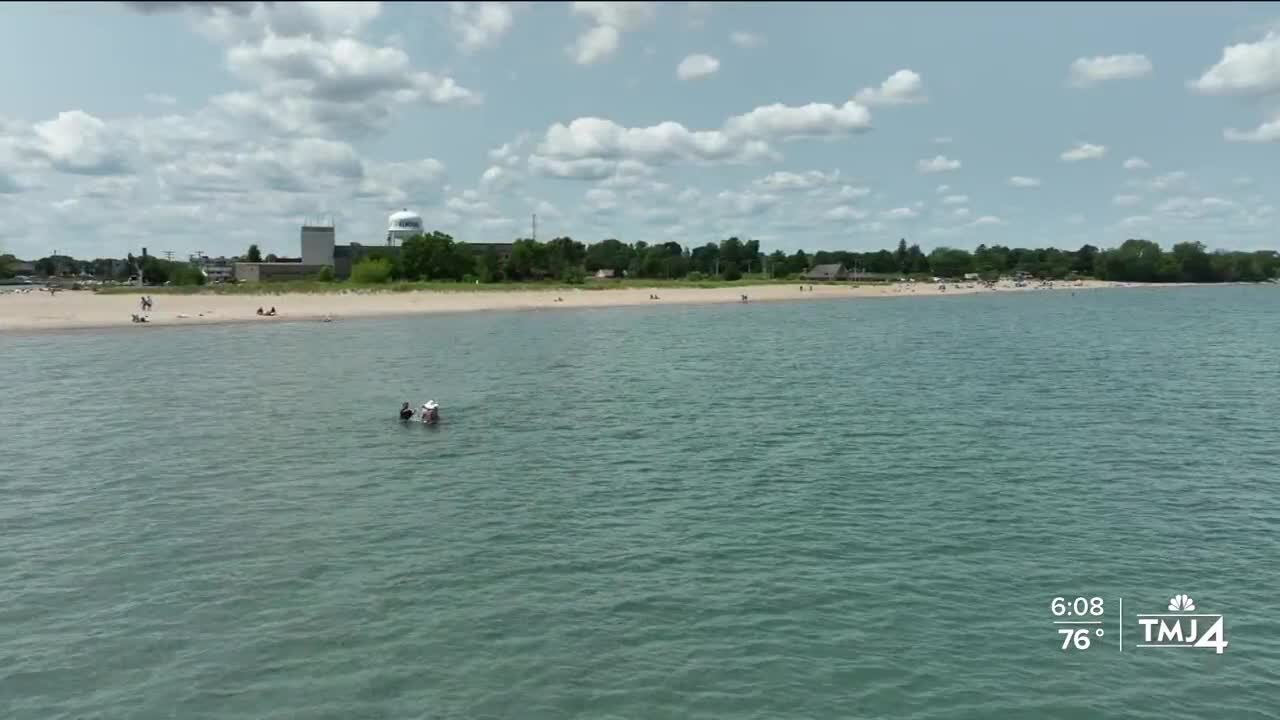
column 403, row 224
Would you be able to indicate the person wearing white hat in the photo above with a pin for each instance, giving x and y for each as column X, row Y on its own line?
column 430, row 412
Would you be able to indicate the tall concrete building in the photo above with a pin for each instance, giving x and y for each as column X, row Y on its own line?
column 317, row 244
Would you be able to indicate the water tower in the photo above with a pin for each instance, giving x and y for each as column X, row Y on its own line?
column 403, row 224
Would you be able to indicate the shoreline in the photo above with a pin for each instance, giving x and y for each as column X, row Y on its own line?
column 39, row 312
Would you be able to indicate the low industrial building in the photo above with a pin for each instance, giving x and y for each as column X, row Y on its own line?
column 320, row 249
column 275, row 271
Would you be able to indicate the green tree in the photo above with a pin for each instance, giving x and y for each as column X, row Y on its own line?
column 917, row 261
column 751, row 256
column 489, row 266
column 564, row 254
column 184, row 274
column 1193, row 263
column 254, row 255
column 904, row 263
column 730, row 271
column 950, row 262
column 528, row 260
column 325, row 274
column 7, row 263
column 372, row 270
column 1084, row 259
column 435, row 256
column 703, row 259
column 731, row 255
column 610, row 254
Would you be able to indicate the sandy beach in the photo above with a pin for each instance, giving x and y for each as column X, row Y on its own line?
column 35, row 310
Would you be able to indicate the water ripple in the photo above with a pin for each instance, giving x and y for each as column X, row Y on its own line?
column 799, row 510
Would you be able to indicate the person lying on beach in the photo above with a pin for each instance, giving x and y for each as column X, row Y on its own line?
column 260, row 312
column 272, row 311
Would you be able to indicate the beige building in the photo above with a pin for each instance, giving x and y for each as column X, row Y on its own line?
column 268, row 272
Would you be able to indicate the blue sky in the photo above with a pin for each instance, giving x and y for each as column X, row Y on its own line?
column 208, row 126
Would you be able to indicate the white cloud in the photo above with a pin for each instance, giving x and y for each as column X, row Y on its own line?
column 1024, row 182
column 1135, row 221
column 596, row 44
column 944, row 140
column 845, row 212
column 591, row 147
column 900, row 213
column 988, row 220
column 938, row 164
column 1126, row 200
column 610, row 19
column 601, row 200
column 509, row 153
column 786, row 180
column 786, row 122
column 746, row 39
column 697, row 66
column 480, row 25
column 316, row 86
column 581, row 169
column 1265, row 133
column 82, row 144
column 239, row 22
column 745, row 204
column 1136, row 163
column 1087, row 72
column 1162, row 182
column 943, row 189
column 497, row 178
column 901, row 88
column 848, row 192
column 962, row 212
column 1083, row 151
column 1244, row 69
column 417, row 182
column 160, row 99
column 955, row 200
column 1186, row 208
column 597, row 138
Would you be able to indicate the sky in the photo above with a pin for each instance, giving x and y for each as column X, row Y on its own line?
column 184, row 126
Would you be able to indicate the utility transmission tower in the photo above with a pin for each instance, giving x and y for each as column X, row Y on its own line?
column 168, row 255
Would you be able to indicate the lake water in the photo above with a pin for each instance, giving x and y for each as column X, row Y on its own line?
column 827, row 509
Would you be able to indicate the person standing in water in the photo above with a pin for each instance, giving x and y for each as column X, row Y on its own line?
column 406, row 412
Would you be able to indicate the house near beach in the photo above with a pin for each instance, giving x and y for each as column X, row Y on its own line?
column 827, row 272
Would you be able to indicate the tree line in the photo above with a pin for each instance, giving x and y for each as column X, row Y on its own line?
column 437, row 256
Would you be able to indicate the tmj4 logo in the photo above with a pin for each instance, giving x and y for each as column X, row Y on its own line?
column 1181, row 627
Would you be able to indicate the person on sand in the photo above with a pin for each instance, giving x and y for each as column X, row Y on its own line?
column 406, row 412
column 272, row 311
column 260, row 312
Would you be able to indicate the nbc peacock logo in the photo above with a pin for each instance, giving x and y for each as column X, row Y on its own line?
column 1183, row 627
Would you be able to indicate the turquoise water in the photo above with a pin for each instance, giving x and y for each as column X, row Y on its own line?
column 828, row 509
